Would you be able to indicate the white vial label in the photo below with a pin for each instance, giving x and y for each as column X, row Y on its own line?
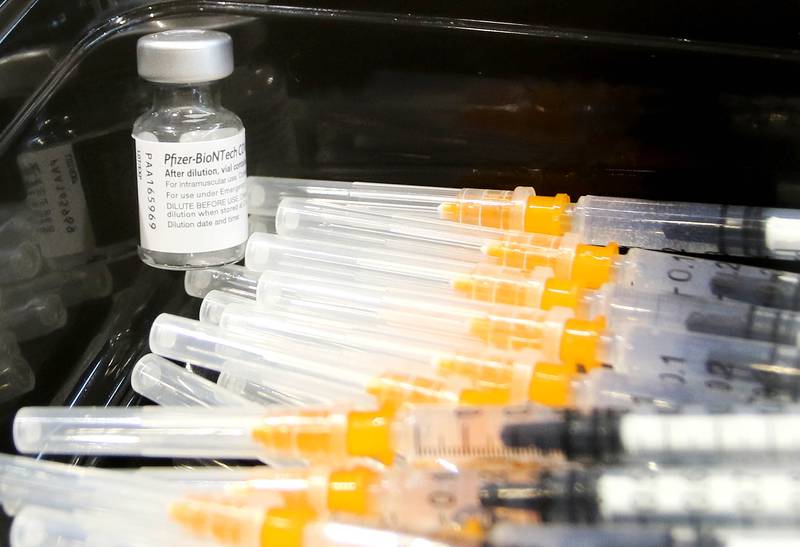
column 55, row 195
column 192, row 196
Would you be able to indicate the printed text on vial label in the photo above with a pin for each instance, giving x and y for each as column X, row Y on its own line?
column 192, row 196
column 55, row 195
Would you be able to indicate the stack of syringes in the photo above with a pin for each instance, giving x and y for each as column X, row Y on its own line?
column 432, row 366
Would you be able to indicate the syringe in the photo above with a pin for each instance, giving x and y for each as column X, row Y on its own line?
column 705, row 496
column 761, row 287
column 753, row 368
column 354, row 265
column 569, row 340
column 326, row 222
column 592, row 267
column 613, row 436
column 349, row 382
column 352, row 329
column 557, row 385
column 542, row 383
column 678, row 226
column 503, row 326
column 307, row 375
column 466, row 359
column 264, row 194
column 168, row 384
column 231, row 278
column 381, row 271
column 97, row 496
column 492, row 378
column 620, row 304
column 360, row 226
column 481, row 378
column 398, row 497
column 394, row 497
column 655, row 271
column 326, row 434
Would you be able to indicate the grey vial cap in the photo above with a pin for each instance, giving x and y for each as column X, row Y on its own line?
column 185, row 56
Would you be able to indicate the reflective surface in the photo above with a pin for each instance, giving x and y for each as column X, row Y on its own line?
column 679, row 102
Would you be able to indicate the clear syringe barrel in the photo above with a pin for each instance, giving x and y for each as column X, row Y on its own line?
column 392, row 496
column 340, row 222
column 653, row 271
column 692, row 495
column 688, row 227
column 274, row 253
column 389, row 495
column 232, row 278
column 423, row 433
column 330, row 434
column 552, row 385
column 664, row 272
column 695, row 434
column 266, row 193
column 619, row 304
column 168, row 384
column 468, row 433
column 776, row 290
column 676, row 311
column 266, row 360
column 336, row 373
column 728, row 364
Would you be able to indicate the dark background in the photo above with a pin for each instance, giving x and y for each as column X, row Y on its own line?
column 692, row 101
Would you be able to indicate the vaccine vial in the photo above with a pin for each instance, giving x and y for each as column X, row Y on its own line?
column 190, row 154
